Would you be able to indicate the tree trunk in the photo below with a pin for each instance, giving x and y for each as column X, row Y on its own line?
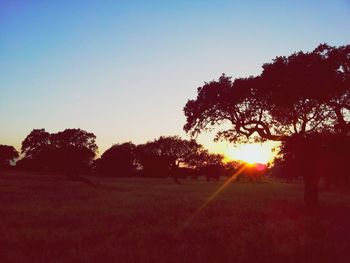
column 311, row 190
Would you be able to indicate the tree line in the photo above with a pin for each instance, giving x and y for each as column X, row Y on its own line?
column 301, row 100
column 73, row 151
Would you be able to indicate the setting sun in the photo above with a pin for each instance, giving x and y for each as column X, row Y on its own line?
column 251, row 153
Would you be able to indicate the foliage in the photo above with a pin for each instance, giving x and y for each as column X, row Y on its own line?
column 178, row 158
column 37, row 142
column 321, row 154
column 209, row 165
column 74, row 150
column 294, row 100
column 69, row 151
column 119, row 161
column 166, row 153
column 305, row 92
column 7, row 154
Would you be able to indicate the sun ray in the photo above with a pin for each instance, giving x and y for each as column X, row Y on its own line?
column 211, row 197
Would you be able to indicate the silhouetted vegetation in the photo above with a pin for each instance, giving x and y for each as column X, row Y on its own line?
column 317, row 156
column 117, row 161
column 305, row 94
column 302, row 100
column 175, row 157
column 210, row 165
column 70, row 152
column 253, row 172
column 7, row 155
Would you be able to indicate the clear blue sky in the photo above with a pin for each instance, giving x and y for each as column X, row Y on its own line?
column 125, row 69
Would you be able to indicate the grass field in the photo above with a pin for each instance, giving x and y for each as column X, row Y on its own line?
column 48, row 219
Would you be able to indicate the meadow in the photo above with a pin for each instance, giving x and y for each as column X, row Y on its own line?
column 45, row 218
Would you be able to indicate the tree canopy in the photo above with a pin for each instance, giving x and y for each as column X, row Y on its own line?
column 36, row 143
column 165, row 153
column 68, row 151
column 118, row 160
column 298, row 100
column 303, row 93
column 7, row 154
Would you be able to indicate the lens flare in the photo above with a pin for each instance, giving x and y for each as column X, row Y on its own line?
column 212, row 197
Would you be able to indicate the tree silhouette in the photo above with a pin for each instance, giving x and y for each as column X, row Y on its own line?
column 208, row 164
column 328, row 152
column 303, row 94
column 254, row 171
column 73, row 150
column 165, row 155
column 36, row 148
column 118, row 161
column 70, row 151
column 7, row 154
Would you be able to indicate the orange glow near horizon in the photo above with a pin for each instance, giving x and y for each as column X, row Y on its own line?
column 250, row 153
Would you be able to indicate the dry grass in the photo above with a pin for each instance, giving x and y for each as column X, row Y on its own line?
column 47, row 219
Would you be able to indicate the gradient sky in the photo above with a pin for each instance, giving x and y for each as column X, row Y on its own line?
column 125, row 69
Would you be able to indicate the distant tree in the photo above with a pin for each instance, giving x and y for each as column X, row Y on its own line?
column 36, row 142
column 7, row 154
column 208, row 164
column 254, row 171
column 117, row 161
column 36, row 148
column 73, row 150
column 164, row 155
column 210, row 159
column 303, row 94
column 70, row 151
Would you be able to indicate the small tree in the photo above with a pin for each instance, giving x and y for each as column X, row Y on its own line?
column 73, row 150
column 118, row 161
column 210, row 165
column 163, row 156
column 69, row 151
column 36, row 148
column 7, row 154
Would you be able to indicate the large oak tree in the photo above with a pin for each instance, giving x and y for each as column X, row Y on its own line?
column 301, row 95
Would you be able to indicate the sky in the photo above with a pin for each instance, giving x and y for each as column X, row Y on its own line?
column 125, row 69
